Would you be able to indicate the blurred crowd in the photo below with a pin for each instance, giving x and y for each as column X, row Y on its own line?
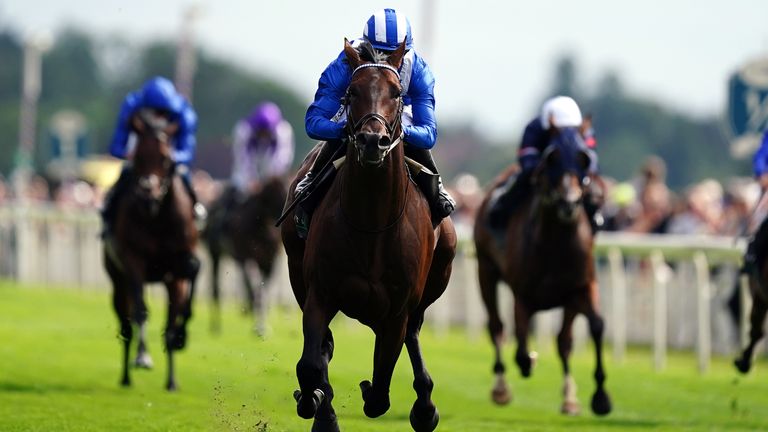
column 643, row 204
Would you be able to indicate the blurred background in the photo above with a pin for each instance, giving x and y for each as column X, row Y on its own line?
column 678, row 93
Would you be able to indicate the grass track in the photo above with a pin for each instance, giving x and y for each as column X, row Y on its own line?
column 59, row 370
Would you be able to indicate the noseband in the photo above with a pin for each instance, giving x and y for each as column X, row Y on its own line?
column 353, row 126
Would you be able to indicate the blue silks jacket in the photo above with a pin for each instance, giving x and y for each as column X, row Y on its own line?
column 418, row 83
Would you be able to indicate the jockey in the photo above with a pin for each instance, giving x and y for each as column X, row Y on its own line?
column 326, row 120
column 757, row 249
column 158, row 94
column 262, row 147
column 557, row 113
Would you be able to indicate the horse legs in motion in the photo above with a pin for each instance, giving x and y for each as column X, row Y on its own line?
column 489, row 278
column 756, row 320
column 215, row 255
column 181, row 293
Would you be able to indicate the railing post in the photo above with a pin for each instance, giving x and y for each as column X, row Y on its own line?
column 746, row 309
column 619, row 303
column 704, row 334
column 660, row 279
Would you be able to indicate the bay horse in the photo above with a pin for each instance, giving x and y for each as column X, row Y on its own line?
column 758, row 288
column 545, row 256
column 245, row 230
column 153, row 240
column 371, row 252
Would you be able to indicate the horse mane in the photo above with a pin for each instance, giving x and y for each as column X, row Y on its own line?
column 369, row 53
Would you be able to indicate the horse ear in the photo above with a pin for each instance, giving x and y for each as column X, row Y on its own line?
column 352, row 55
column 396, row 58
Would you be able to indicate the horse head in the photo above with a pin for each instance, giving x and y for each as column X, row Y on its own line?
column 152, row 158
column 560, row 175
column 373, row 102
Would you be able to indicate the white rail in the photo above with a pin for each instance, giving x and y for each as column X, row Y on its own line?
column 660, row 289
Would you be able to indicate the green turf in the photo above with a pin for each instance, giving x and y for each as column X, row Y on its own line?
column 60, row 364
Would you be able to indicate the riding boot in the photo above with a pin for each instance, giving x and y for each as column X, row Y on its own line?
column 111, row 199
column 505, row 205
column 441, row 203
column 197, row 207
column 313, row 187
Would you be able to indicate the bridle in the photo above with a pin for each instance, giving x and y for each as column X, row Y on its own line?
column 148, row 183
column 353, row 125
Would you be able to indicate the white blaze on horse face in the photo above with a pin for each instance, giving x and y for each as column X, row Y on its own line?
column 571, row 188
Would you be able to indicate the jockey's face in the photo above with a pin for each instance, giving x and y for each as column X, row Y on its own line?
column 263, row 134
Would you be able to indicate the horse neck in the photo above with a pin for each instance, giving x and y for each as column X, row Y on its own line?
column 371, row 197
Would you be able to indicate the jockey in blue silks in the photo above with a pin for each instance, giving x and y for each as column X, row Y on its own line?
column 325, row 118
column 757, row 250
column 158, row 94
column 557, row 113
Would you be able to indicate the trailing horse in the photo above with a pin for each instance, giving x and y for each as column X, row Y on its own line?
column 371, row 252
column 244, row 228
column 153, row 240
column 545, row 256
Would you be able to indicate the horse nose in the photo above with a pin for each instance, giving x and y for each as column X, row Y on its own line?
column 372, row 139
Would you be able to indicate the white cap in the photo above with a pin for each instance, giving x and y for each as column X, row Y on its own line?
column 563, row 110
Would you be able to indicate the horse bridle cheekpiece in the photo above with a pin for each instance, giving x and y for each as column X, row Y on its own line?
column 354, row 126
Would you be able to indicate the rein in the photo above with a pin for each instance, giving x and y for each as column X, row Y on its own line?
column 353, row 126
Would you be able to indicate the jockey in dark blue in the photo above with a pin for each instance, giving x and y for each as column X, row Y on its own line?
column 557, row 113
column 757, row 250
column 325, row 118
column 158, row 94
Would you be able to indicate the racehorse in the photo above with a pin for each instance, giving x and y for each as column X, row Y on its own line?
column 758, row 287
column 246, row 231
column 371, row 252
column 545, row 256
column 153, row 240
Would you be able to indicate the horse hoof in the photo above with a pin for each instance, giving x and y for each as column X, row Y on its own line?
column 325, row 425
column 307, row 407
column 424, row 418
column 743, row 365
column 125, row 382
column 571, row 408
column 374, row 405
column 525, row 362
column 171, row 386
column 601, row 403
column 144, row 361
column 501, row 395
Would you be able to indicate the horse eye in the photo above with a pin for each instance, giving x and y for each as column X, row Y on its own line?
column 395, row 93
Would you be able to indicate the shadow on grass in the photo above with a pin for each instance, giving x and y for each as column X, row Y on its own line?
column 14, row 387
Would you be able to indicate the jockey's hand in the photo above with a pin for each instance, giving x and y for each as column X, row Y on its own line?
column 763, row 181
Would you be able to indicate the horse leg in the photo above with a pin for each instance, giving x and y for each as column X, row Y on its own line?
column 177, row 296
column 571, row 404
column 215, row 292
column 121, row 304
column 248, row 286
column 312, row 368
column 424, row 416
column 489, row 277
column 389, row 342
column 325, row 416
column 143, row 359
column 523, row 358
column 601, row 402
column 756, row 318
column 262, row 299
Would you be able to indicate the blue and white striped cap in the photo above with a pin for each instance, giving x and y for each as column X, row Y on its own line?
column 386, row 29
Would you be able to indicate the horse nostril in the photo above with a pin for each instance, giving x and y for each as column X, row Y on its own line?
column 360, row 138
column 384, row 141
